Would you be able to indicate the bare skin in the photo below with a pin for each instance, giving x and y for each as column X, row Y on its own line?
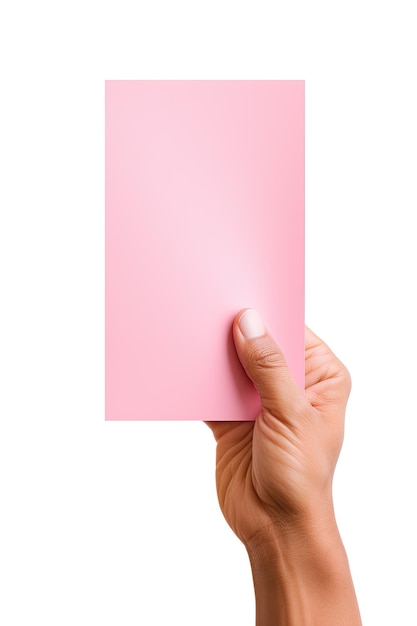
column 274, row 482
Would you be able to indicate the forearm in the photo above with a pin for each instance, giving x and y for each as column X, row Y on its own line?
column 302, row 577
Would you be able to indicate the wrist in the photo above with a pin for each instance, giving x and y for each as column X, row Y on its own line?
column 301, row 574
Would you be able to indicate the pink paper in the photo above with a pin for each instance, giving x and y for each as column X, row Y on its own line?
column 204, row 217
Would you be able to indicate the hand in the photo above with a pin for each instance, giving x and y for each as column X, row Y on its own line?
column 274, row 480
column 280, row 467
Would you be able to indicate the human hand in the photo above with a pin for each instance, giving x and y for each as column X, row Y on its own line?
column 280, row 467
column 274, row 475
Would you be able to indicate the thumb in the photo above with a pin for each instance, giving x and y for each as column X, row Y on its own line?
column 267, row 368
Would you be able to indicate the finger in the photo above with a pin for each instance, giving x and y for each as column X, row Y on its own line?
column 322, row 366
column 311, row 339
column 266, row 366
column 219, row 428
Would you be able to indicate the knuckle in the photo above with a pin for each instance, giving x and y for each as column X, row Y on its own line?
column 345, row 377
column 267, row 356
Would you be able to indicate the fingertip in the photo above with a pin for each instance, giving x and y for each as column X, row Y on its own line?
column 237, row 333
column 239, row 315
column 250, row 324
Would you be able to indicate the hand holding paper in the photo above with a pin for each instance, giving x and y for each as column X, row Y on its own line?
column 274, row 482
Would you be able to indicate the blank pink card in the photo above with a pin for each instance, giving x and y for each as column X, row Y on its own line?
column 204, row 217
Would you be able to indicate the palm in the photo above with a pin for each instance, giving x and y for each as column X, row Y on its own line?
column 265, row 466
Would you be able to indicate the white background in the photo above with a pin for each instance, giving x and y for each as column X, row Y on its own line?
column 118, row 523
